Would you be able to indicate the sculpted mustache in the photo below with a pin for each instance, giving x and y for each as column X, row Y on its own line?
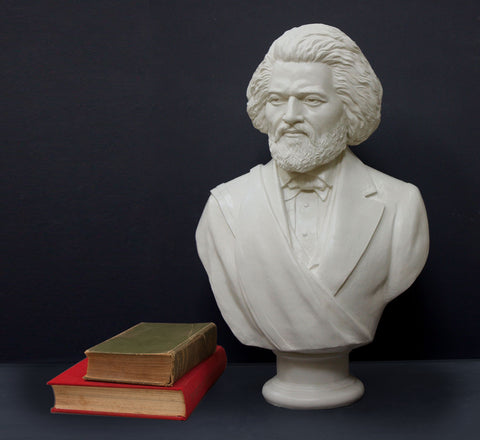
column 301, row 128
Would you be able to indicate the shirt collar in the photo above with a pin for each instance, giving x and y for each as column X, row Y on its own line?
column 324, row 172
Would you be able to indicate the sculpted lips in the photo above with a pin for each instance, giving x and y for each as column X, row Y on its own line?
column 290, row 132
column 294, row 132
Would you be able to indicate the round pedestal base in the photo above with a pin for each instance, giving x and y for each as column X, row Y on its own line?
column 312, row 381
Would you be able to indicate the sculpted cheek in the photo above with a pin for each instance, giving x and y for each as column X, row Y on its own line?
column 269, row 116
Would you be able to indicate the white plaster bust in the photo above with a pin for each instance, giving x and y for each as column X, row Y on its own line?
column 303, row 253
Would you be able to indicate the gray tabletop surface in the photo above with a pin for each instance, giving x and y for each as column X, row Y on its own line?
column 403, row 400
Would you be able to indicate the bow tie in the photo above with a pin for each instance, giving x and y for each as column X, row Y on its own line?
column 317, row 184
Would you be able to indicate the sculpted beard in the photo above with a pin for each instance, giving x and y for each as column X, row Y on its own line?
column 305, row 152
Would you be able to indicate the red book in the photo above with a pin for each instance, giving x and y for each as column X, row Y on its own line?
column 75, row 395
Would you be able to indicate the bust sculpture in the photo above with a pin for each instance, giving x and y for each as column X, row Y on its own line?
column 303, row 253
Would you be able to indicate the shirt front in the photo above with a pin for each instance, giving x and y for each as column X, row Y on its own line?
column 308, row 199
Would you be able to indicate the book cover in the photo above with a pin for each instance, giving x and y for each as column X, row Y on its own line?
column 151, row 353
column 75, row 395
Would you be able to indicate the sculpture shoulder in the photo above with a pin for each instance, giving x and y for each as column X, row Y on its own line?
column 393, row 191
column 226, row 199
column 235, row 189
column 405, row 211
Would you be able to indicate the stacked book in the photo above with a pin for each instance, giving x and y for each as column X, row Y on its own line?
column 153, row 370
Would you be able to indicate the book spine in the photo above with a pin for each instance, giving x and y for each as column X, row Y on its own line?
column 206, row 374
column 193, row 351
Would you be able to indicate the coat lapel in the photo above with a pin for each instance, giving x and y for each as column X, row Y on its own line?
column 275, row 197
column 354, row 220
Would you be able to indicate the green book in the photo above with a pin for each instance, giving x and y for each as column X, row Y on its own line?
column 151, row 353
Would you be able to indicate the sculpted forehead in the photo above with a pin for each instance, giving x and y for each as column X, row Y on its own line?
column 293, row 77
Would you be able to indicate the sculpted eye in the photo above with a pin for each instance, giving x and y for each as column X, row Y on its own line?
column 274, row 99
column 314, row 100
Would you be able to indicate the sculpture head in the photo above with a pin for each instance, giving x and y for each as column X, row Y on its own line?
column 344, row 110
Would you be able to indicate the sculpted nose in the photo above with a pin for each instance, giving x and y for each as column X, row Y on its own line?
column 293, row 112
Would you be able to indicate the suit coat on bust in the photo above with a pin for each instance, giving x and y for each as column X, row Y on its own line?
column 377, row 244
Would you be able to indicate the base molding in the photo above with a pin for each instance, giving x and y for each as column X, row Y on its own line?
column 312, row 381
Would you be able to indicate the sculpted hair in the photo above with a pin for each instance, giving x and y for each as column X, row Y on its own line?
column 354, row 79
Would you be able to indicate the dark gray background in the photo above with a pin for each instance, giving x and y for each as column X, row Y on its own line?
column 118, row 117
